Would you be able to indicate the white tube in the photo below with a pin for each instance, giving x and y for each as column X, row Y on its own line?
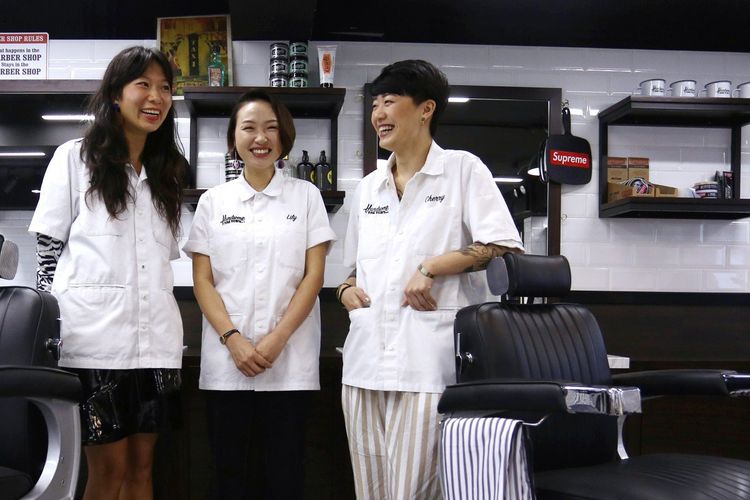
column 326, row 64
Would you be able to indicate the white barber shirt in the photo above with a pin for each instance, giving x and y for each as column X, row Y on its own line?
column 257, row 242
column 113, row 281
column 449, row 204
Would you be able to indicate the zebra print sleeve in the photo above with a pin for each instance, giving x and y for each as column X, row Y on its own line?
column 48, row 251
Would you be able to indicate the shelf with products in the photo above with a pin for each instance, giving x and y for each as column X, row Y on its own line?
column 333, row 200
column 303, row 103
column 680, row 112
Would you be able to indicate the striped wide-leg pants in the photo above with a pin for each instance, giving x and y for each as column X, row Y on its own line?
column 393, row 443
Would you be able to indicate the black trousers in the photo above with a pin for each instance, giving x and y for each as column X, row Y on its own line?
column 258, row 442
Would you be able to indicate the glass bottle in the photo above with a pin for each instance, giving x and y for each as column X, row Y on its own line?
column 216, row 70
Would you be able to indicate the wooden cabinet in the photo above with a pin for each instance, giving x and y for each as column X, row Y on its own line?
column 305, row 103
column 724, row 113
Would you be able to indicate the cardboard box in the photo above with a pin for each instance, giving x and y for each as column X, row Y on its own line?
column 617, row 161
column 617, row 174
column 619, row 191
column 665, row 191
column 637, row 168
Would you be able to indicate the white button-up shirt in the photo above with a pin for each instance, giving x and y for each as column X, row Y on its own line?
column 257, row 243
column 449, row 204
column 113, row 281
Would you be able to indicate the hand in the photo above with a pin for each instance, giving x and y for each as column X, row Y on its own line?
column 354, row 298
column 417, row 293
column 246, row 358
column 270, row 346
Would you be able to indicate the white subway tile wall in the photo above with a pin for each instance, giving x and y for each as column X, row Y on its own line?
column 605, row 254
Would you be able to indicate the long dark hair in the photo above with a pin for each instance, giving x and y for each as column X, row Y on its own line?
column 105, row 149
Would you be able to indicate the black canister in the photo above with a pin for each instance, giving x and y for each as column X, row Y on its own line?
column 280, row 80
column 298, row 80
column 298, row 49
column 279, row 50
column 298, row 64
column 279, row 66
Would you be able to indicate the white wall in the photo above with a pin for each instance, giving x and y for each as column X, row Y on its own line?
column 606, row 254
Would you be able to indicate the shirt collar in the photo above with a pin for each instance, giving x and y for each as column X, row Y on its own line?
column 272, row 189
column 433, row 165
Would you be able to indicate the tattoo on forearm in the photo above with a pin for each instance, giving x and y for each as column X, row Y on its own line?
column 482, row 255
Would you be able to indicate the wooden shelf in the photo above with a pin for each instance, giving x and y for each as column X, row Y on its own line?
column 305, row 103
column 676, row 208
column 302, row 103
column 678, row 112
column 333, row 200
column 729, row 113
column 25, row 101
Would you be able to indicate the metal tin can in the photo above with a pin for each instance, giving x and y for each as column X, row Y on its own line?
column 298, row 64
column 279, row 66
column 279, row 81
column 298, row 80
column 298, row 49
column 279, row 49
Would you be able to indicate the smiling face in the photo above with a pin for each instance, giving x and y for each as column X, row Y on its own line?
column 145, row 102
column 398, row 121
column 256, row 135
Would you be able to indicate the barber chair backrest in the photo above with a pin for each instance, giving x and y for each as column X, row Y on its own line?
column 28, row 319
column 541, row 342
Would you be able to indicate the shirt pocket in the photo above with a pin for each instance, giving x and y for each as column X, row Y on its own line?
column 162, row 232
column 291, row 247
column 228, row 247
column 373, row 236
column 436, row 230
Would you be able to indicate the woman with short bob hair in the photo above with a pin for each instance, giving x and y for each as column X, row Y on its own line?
column 258, row 245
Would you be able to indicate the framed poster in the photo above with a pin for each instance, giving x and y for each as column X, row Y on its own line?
column 192, row 44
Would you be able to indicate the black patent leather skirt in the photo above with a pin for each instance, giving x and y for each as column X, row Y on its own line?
column 120, row 403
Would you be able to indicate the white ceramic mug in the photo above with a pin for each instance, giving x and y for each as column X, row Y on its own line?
column 683, row 88
column 743, row 90
column 719, row 88
column 653, row 87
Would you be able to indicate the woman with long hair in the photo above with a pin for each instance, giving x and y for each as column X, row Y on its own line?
column 106, row 223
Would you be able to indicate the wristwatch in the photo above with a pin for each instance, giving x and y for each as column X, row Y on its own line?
column 224, row 337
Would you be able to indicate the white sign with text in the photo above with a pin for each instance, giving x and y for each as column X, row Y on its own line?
column 23, row 56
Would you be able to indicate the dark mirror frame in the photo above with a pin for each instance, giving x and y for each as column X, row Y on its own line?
column 553, row 98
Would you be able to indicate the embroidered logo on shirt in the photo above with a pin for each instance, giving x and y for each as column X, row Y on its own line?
column 434, row 198
column 369, row 209
column 229, row 219
column 291, row 217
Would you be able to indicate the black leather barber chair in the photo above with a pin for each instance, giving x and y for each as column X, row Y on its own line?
column 39, row 420
column 547, row 361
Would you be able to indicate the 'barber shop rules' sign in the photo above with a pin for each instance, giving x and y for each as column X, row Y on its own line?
column 23, row 56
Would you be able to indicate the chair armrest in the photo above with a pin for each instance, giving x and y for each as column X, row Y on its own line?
column 38, row 382
column 686, row 382
column 538, row 396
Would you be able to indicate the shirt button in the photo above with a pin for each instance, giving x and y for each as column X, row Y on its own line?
column 143, row 266
column 390, row 348
column 145, row 296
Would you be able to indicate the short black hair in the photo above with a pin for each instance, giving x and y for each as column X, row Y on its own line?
column 287, row 132
column 417, row 79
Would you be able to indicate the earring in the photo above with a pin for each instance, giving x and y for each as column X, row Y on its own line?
column 116, row 106
column 422, row 120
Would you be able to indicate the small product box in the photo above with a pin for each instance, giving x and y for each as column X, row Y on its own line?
column 637, row 168
column 617, row 169
column 619, row 191
column 665, row 191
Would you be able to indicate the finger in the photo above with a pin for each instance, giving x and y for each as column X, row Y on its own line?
column 261, row 360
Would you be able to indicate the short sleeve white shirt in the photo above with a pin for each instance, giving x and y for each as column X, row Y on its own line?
column 449, row 204
column 113, row 281
column 257, row 242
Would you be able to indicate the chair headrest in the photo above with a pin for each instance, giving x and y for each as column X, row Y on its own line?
column 8, row 259
column 529, row 275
